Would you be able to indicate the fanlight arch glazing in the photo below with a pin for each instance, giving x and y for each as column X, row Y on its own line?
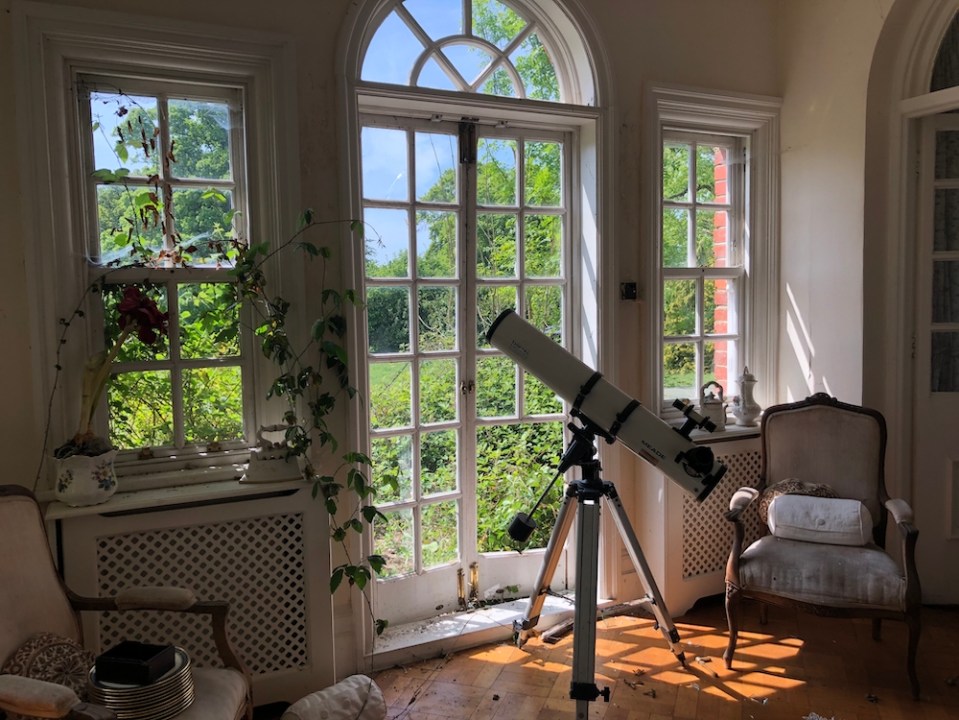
column 473, row 46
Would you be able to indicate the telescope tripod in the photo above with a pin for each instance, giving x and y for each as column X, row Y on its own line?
column 584, row 496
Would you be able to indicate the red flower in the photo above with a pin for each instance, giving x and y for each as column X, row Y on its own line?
column 142, row 313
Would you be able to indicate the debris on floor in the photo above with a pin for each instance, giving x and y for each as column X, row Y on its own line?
column 953, row 681
column 817, row 716
column 872, row 698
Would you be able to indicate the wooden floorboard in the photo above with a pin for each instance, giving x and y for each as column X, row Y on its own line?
column 797, row 666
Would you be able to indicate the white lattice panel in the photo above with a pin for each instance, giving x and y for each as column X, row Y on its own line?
column 257, row 564
column 707, row 535
column 267, row 556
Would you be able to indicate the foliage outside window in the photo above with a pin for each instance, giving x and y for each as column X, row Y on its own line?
column 703, row 270
column 164, row 167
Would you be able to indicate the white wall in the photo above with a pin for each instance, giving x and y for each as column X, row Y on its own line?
column 826, row 49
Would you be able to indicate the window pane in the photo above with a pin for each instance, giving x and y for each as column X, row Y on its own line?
column 496, row 172
column 125, row 133
column 392, row 52
column 947, row 154
column 436, row 244
column 204, row 223
column 438, row 462
column 387, row 235
column 437, row 313
column 720, row 360
column 495, row 22
column 116, row 204
column 538, row 398
column 543, row 246
column 679, row 372
column 209, row 321
column 490, row 302
column 388, row 317
column 946, row 225
column 544, row 310
column 711, row 166
column 439, row 18
column 712, row 235
column 495, row 387
column 437, row 390
column 145, row 341
column 675, row 237
column 719, row 304
column 945, row 291
column 385, row 164
column 496, row 245
column 390, row 394
column 393, row 539
column 392, row 468
column 499, row 82
column 679, row 307
column 945, row 362
column 436, row 163
column 514, row 465
column 440, row 533
column 200, row 132
column 544, row 174
column 212, row 404
column 434, row 76
column 468, row 60
column 676, row 172
column 534, row 66
column 141, row 409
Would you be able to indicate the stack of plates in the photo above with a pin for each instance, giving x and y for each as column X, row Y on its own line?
column 163, row 699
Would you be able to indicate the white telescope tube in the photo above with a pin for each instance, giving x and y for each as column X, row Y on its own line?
column 615, row 413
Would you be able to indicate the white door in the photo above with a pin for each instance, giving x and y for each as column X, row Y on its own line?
column 462, row 221
column 936, row 410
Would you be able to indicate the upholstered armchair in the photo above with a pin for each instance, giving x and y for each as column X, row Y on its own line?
column 34, row 603
column 822, row 494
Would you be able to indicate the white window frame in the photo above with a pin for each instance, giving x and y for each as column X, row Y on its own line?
column 56, row 44
column 756, row 119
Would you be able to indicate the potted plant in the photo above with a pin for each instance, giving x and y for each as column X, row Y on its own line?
column 85, row 474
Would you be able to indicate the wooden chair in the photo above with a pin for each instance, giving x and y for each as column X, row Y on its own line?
column 821, row 440
column 35, row 600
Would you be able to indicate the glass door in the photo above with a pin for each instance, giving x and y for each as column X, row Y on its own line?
column 462, row 222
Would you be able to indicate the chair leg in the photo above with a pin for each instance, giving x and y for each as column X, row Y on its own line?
column 733, row 603
column 763, row 614
column 877, row 629
column 912, row 621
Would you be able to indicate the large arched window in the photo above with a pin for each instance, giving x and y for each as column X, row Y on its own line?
column 473, row 122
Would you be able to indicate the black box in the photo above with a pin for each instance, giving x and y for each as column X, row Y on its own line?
column 135, row 663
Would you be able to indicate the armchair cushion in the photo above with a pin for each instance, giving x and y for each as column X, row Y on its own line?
column 52, row 658
column 834, row 521
column 791, row 486
column 834, row 575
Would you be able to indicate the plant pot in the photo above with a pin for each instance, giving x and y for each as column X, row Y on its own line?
column 86, row 480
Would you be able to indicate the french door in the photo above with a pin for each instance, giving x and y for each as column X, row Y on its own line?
column 462, row 220
column 936, row 351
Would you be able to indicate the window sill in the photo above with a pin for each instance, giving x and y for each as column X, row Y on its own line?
column 172, row 498
column 730, row 434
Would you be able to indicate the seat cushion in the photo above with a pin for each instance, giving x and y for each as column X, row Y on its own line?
column 355, row 698
column 220, row 695
column 836, row 575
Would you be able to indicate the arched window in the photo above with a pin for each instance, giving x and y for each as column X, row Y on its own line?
column 473, row 122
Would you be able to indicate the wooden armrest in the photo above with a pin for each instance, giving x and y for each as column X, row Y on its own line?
column 168, row 598
column 740, row 501
column 900, row 510
column 30, row 697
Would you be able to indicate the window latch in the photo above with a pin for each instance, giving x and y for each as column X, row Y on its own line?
column 467, row 386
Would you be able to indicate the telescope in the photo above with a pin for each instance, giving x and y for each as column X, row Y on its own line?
column 607, row 410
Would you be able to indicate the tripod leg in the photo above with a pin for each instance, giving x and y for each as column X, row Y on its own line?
column 653, row 598
column 554, row 551
column 583, row 687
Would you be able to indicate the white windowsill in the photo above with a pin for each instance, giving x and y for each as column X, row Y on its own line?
column 171, row 497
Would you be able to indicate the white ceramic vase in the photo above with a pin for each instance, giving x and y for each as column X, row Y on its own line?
column 745, row 408
column 85, row 480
